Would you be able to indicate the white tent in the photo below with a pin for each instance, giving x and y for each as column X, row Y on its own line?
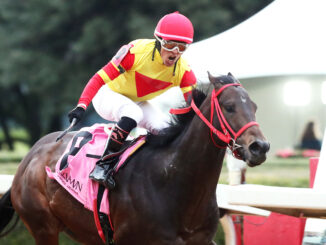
column 287, row 37
column 284, row 41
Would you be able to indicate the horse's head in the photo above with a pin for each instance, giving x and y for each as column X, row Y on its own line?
column 235, row 116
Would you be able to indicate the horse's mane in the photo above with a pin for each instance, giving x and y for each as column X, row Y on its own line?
column 180, row 122
column 177, row 125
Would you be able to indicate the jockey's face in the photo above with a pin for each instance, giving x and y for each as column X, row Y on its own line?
column 170, row 57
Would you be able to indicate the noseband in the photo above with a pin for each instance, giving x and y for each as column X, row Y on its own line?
column 227, row 134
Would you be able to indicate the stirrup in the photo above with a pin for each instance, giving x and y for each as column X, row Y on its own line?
column 109, row 181
column 103, row 174
column 98, row 173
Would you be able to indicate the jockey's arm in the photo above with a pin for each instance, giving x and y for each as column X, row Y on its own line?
column 107, row 74
column 188, row 82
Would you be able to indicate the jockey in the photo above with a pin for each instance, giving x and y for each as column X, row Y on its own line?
column 140, row 71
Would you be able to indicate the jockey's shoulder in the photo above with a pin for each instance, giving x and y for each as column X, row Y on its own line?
column 142, row 45
column 184, row 64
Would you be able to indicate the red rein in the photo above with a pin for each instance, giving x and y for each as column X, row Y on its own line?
column 227, row 135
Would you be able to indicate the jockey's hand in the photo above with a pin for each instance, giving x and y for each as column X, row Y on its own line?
column 77, row 113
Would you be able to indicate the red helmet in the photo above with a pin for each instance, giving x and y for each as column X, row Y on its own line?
column 176, row 27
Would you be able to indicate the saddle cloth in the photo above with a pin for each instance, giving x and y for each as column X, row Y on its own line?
column 78, row 160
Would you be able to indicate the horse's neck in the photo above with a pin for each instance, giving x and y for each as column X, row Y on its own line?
column 201, row 154
column 196, row 168
column 198, row 159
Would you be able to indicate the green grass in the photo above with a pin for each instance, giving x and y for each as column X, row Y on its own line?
column 292, row 172
column 20, row 235
column 19, row 152
column 16, row 133
column 9, row 160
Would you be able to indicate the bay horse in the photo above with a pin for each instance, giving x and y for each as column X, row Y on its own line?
column 165, row 195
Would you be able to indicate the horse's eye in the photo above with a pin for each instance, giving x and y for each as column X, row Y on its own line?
column 229, row 108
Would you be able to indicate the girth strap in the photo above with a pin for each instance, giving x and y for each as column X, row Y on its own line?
column 104, row 219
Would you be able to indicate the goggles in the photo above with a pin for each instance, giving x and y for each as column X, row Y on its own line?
column 172, row 45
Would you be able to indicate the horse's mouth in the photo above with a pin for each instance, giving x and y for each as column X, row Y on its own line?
column 252, row 156
column 256, row 161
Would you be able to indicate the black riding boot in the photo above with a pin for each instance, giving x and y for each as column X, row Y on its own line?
column 104, row 168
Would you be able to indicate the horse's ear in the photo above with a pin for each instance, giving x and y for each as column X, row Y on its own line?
column 234, row 79
column 214, row 80
column 211, row 78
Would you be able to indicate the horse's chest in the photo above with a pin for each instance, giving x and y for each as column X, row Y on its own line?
column 162, row 228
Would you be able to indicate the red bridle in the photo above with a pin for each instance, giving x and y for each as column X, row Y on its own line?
column 227, row 134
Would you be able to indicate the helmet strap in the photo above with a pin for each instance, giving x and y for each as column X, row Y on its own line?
column 156, row 46
column 175, row 66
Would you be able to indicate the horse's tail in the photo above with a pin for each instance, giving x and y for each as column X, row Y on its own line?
column 6, row 214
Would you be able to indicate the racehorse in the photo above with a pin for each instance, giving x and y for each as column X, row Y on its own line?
column 166, row 194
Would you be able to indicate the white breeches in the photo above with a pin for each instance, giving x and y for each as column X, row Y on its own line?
column 112, row 106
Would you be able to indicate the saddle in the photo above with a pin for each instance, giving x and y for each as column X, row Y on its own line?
column 106, row 167
column 111, row 160
column 85, row 149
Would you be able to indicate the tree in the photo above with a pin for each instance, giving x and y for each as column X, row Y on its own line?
column 49, row 49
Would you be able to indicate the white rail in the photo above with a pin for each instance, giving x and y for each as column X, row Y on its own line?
column 5, row 182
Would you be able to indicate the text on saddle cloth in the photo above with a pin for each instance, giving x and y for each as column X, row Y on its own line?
column 79, row 159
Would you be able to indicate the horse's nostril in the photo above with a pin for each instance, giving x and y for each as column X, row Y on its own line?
column 259, row 147
column 266, row 146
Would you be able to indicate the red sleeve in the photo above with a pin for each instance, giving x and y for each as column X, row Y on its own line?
column 90, row 90
column 126, row 63
column 188, row 80
column 96, row 82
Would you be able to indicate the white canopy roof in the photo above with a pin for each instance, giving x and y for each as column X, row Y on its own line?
column 288, row 37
